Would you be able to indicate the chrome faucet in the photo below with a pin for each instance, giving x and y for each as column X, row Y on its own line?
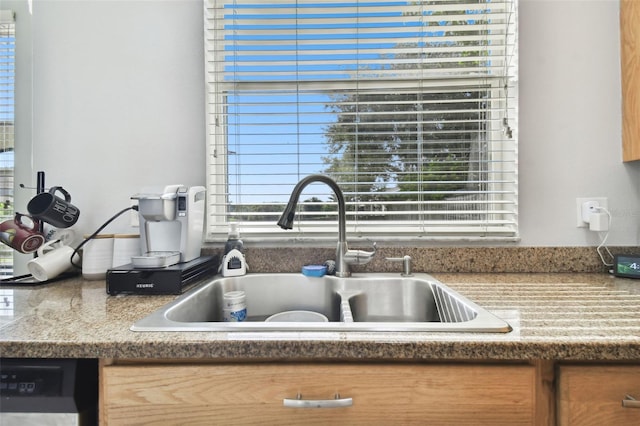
column 344, row 256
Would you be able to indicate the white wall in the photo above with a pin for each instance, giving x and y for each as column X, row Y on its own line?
column 570, row 122
column 119, row 104
column 118, row 100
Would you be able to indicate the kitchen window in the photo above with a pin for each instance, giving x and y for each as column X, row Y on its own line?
column 7, row 121
column 411, row 106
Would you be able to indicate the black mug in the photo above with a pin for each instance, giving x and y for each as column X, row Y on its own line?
column 52, row 209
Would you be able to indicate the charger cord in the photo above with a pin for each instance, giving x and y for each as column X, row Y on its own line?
column 92, row 236
column 602, row 247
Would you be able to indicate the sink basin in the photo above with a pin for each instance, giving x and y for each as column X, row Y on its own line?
column 363, row 302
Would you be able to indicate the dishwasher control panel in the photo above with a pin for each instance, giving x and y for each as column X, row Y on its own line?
column 31, row 381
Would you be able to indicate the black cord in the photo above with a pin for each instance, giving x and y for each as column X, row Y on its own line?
column 90, row 237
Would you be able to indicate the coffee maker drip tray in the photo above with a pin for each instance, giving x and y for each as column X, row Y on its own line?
column 156, row 259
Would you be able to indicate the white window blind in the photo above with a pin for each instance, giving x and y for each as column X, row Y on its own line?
column 409, row 105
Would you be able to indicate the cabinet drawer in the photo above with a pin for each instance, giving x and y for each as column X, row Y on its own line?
column 381, row 394
column 592, row 395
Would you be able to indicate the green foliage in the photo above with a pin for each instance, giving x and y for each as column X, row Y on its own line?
column 408, row 141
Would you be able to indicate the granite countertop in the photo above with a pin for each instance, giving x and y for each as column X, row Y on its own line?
column 554, row 316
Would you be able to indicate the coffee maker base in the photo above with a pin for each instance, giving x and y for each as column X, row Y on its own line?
column 174, row 279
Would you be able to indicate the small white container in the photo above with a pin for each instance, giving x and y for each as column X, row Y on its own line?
column 233, row 299
column 97, row 257
column 234, row 306
column 234, row 315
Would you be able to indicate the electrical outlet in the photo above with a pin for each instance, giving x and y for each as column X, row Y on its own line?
column 592, row 203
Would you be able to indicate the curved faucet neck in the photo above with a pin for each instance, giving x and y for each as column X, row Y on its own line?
column 287, row 217
column 344, row 256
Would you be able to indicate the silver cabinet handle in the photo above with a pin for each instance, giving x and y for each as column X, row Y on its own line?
column 336, row 402
column 630, row 402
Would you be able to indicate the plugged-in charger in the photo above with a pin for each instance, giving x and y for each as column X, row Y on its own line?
column 599, row 222
column 595, row 216
column 593, row 213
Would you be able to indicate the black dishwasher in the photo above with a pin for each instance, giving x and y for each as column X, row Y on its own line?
column 48, row 392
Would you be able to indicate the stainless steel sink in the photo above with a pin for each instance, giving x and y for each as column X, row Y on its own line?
column 363, row 302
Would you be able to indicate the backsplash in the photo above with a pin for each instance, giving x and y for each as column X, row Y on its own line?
column 440, row 259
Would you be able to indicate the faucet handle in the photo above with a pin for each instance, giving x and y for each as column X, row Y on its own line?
column 406, row 264
column 359, row 257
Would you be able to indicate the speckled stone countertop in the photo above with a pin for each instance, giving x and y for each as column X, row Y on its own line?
column 554, row 317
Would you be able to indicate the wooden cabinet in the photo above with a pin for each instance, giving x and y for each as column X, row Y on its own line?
column 630, row 62
column 247, row 394
column 593, row 395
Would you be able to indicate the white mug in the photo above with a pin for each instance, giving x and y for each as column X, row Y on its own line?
column 66, row 236
column 51, row 264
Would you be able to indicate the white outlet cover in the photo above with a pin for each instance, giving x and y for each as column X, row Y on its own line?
column 602, row 202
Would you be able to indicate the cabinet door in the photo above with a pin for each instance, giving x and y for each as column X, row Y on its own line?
column 593, row 395
column 630, row 63
column 381, row 394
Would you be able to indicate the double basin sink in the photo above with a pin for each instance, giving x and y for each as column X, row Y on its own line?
column 363, row 302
